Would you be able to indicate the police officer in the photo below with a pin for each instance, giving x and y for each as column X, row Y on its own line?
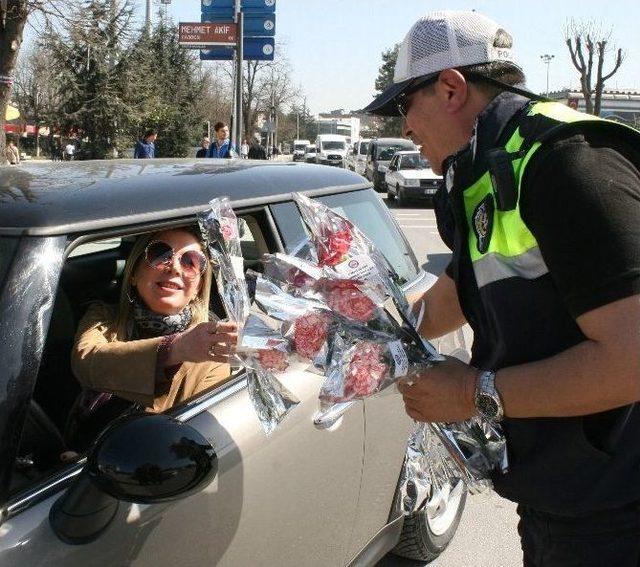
column 541, row 208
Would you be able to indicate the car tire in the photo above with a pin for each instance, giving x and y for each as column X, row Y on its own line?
column 428, row 532
column 402, row 199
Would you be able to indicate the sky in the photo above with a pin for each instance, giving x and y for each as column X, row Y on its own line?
column 334, row 46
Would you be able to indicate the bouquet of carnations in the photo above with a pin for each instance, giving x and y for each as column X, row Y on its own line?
column 372, row 351
column 220, row 229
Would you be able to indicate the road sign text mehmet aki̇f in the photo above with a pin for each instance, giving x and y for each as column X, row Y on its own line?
column 198, row 34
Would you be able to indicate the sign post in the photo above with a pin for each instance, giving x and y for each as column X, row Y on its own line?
column 239, row 57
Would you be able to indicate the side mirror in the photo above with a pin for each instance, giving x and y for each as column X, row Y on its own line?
column 144, row 459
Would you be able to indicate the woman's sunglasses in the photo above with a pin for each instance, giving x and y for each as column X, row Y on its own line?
column 159, row 255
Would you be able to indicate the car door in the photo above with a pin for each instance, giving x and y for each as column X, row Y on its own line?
column 390, row 174
column 286, row 499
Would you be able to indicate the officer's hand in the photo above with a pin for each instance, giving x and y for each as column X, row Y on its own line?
column 443, row 392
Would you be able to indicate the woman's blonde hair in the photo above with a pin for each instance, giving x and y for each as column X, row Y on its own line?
column 199, row 304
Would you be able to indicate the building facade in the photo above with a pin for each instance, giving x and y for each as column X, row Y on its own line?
column 621, row 106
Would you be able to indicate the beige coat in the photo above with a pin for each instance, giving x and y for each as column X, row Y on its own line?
column 12, row 154
column 128, row 368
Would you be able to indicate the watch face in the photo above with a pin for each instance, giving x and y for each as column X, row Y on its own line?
column 487, row 406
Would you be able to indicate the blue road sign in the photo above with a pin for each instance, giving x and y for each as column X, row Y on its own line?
column 255, row 25
column 254, row 49
column 264, row 6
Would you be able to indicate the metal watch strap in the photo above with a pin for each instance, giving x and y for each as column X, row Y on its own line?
column 487, row 398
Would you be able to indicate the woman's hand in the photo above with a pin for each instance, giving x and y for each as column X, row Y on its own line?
column 205, row 342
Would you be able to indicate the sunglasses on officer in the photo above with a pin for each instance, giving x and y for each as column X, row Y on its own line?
column 160, row 256
column 403, row 102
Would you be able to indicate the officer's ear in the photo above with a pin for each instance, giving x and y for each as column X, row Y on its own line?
column 453, row 90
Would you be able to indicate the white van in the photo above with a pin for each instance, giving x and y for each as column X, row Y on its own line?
column 299, row 149
column 357, row 156
column 331, row 149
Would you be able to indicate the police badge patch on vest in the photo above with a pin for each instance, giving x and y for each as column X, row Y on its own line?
column 483, row 223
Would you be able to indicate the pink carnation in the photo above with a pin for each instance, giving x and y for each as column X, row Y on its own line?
column 346, row 299
column 273, row 359
column 227, row 231
column 366, row 371
column 310, row 333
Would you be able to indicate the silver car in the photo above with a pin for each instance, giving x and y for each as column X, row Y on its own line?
column 201, row 484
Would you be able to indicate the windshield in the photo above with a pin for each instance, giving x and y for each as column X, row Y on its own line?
column 413, row 161
column 385, row 152
column 333, row 145
column 311, row 149
column 299, row 147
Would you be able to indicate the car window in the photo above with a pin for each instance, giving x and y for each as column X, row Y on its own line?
column 368, row 213
column 333, row 145
column 413, row 161
column 386, row 151
column 364, row 147
column 93, row 272
column 7, row 250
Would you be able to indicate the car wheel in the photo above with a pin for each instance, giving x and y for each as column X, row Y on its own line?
column 428, row 532
column 402, row 199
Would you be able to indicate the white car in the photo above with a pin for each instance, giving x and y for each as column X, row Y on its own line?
column 409, row 176
column 356, row 159
column 310, row 153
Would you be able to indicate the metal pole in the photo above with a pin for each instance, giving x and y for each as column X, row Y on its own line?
column 546, row 59
column 147, row 20
column 297, row 125
column 239, row 56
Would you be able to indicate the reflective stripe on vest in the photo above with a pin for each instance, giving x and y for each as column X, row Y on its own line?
column 511, row 251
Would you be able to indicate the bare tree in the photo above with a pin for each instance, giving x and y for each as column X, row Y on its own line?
column 14, row 15
column 589, row 44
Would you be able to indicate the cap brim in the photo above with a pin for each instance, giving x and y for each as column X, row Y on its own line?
column 385, row 103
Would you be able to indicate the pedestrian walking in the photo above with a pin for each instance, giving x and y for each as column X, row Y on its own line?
column 541, row 208
column 257, row 150
column 244, row 149
column 69, row 151
column 146, row 147
column 11, row 153
column 204, row 148
column 221, row 146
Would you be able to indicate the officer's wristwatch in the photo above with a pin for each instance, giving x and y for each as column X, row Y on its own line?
column 487, row 399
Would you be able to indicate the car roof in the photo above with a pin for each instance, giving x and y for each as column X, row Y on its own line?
column 49, row 198
column 391, row 140
column 406, row 152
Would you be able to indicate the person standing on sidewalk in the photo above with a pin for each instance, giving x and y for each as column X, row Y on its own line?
column 146, row 148
column 204, row 148
column 244, row 149
column 541, row 208
column 12, row 153
column 221, row 146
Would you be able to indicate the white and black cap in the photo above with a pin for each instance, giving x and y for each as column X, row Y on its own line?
column 448, row 39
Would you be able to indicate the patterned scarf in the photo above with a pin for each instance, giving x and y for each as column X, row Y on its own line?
column 151, row 324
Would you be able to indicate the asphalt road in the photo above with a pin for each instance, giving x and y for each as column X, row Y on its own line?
column 487, row 534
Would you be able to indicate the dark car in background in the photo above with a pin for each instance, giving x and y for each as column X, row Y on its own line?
column 200, row 484
column 379, row 154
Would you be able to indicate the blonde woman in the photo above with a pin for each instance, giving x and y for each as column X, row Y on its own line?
column 157, row 347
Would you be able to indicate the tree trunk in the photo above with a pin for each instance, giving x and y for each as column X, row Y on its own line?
column 12, row 21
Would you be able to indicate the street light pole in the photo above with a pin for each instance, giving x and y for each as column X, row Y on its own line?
column 546, row 59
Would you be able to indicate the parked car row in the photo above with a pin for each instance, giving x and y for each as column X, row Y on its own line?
column 199, row 484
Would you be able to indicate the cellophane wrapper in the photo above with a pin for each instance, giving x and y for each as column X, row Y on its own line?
column 470, row 450
column 220, row 229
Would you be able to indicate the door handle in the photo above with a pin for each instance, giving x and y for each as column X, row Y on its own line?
column 328, row 418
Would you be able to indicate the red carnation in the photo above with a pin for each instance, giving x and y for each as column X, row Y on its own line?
column 346, row 299
column 333, row 246
column 366, row 371
column 273, row 359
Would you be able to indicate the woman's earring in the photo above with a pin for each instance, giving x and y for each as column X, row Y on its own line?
column 129, row 297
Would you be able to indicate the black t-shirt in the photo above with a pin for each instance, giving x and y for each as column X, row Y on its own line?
column 581, row 200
